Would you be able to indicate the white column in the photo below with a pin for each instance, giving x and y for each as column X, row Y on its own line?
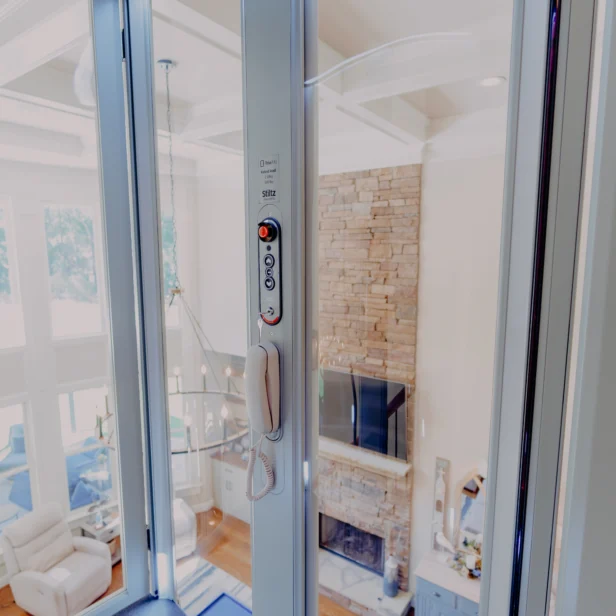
column 46, row 455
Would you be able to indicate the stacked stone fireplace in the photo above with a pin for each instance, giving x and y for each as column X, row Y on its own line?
column 352, row 543
column 369, row 258
column 373, row 501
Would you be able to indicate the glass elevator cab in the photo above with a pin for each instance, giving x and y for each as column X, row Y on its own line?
column 292, row 296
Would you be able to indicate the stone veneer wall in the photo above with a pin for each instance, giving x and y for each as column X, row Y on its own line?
column 368, row 270
column 369, row 261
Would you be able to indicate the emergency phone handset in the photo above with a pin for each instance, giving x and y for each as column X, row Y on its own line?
column 263, row 402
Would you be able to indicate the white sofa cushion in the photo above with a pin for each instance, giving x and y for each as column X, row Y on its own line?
column 52, row 554
column 83, row 577
column 45, row 534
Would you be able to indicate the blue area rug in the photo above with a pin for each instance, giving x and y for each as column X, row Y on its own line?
column 201, row 586
column 226, row 606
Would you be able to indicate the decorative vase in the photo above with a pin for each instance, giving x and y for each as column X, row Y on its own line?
column 390, row 577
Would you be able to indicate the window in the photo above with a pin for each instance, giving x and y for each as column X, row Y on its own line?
column 87, row 436
column 172, row 312
column 11, row 315
column 75, row 293
column 15, row 493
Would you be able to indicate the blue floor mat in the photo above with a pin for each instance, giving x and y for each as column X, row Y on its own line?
column 226, row 606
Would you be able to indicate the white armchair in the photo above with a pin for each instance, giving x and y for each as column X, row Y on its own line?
column 52, row 572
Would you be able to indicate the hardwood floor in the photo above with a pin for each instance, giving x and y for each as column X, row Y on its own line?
column 224, row 544
column 227, row 546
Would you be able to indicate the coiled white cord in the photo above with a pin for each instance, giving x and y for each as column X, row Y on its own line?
column 269, row 472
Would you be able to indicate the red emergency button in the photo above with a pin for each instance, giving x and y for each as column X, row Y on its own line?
column 267, row 231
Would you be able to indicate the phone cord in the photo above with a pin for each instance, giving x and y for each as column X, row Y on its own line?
column 269, row 472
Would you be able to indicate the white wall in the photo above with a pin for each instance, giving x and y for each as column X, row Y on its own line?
column 222, row 260
column 458, row 287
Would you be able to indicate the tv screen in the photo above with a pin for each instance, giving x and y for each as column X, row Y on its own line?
column 363, row 411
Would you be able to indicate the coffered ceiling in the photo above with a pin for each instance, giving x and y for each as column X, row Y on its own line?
column 387, row 108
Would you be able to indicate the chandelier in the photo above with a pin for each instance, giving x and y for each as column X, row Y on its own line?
column 203, row 414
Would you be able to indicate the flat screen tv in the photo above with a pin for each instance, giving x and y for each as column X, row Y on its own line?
column 363, row 411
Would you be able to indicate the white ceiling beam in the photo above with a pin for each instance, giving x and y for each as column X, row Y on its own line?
column 43, row 42
column 429, row 62
column 40, row 113
column 410, row 67
column 9, row 7
column 190, row 21
column 36, row 139
column 395, row 118
column 217, row 117
column 209, row 32
column 75, row 130
column 30, row 156
column 399, row 121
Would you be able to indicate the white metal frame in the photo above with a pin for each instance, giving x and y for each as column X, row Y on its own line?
column 532, row 344
column 311, row 420
column 586, row 581
column 142, row 126
column 566, row 173
column 117, row 217
column 284, row 524
column 273, row 69
column 527, row 75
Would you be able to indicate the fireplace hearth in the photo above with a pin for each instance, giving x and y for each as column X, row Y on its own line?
column 346, row 540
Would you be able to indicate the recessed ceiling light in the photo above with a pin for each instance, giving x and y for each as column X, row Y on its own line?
column 490, row 82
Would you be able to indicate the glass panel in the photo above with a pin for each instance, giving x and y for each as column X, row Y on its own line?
column 75, row 303
column 54, row 266
column 412, row 129
column 12, row 333
column 15, row 491
column 200, row 123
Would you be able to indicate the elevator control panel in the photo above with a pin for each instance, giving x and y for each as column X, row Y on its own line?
column 270, row 279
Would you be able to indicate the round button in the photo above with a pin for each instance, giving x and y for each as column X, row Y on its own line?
column 269, row 260
column 269, row 272
column 267, row 231
column 269, row 284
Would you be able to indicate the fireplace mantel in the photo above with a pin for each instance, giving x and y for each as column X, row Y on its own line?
column 356, row 456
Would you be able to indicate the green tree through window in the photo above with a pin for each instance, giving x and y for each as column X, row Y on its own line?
column 70, row 250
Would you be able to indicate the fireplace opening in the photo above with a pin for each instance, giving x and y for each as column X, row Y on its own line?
column 348, row 541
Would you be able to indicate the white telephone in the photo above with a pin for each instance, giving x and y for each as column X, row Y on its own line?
column 263, row 402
